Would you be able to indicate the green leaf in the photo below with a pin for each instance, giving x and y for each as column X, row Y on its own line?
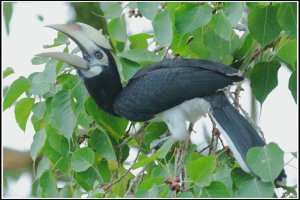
column 179, row 44
column 255, row 189
column 293, row 85
column 58, row 160
column 39, row 109
column 22, row 111
column 144, row 161
column 263, row 25
column 147, row 9
column 287, row 18
column 233, row 11
column 161, row 153
column 105, row 5
column 7, row 12
column 82, row 159
column 57, row 141
column 267, row 162
column 39, row 60
column 215, row 190
column 68, row 192
column 189, row 18
column 288, row 52
column 139, row 41
column 246, row 47
column 117, row 29
column 148, row 183
column 140, row 56
column 132, row 5
column 15, row 91
column 201, row 170
column 101, row 142
column 160, row 191
column 187, row 194
column 163, row 171
column 197, row 45
column 222, row 27
column 165, row 148
column 162, row 26
column 75, row 84
column 48, row 184
column 104, row 168
column 223, row 175
column 191, row 154
column 87, row 178
column 39, row 84
column 239, row 177
column 154, row 131
column 113, row 11
column 63, row 115
column 129, row 68
column 43, row 82
column 253, row 5
column 219, row 50
column 37, row 143
column 264, row 79
column 61, row 39
column 8, row 71
column 43, row 166
column 147, row 193
column 115, row 126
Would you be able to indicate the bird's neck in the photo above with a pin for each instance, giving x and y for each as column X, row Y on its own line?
column 105, row 87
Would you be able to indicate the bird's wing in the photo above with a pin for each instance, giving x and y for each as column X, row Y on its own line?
column 169, row 83
column 205, row 64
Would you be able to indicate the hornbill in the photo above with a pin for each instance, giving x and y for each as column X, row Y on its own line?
column 174, row 91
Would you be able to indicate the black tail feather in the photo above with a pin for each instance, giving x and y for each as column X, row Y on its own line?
column 238, row 132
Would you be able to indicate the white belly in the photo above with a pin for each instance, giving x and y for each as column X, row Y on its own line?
column 176, row 117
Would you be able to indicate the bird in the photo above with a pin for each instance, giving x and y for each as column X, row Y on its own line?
column 174, row 91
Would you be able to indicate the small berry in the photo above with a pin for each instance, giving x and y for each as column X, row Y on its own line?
column 174, row 186
column 168, row 181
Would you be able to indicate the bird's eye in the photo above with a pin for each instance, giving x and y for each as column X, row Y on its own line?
column 98, row 55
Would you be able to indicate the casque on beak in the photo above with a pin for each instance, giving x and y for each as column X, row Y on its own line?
column 86, row 37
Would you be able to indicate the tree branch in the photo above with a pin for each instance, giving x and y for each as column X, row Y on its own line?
column 127, row 171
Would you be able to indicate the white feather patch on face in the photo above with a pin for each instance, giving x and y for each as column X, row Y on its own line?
column 96, row 65
column 93, row 71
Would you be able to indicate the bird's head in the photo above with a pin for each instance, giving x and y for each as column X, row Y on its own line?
column 93, row 45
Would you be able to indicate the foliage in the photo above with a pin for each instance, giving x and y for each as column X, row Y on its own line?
column 79, row 143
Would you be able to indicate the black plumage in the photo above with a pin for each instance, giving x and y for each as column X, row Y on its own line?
column 106, row 86
column 168, row 83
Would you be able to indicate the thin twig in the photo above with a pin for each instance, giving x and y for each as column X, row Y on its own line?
column 212, row 121
column 240, row 27
column 157, row 49
column 141, row 130
column 221, row 141
column 166, row 53
column 237, row 92
column 133, row 181
column 180, row 170
column 123, row 175
column 260, row 51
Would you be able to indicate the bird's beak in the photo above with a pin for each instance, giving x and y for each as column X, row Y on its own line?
column 86, row 37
